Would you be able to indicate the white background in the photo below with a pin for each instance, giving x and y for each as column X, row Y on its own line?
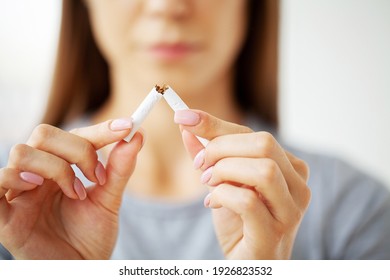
column 334, row 77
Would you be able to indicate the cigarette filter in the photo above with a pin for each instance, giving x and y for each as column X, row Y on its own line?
column 176, row 103
column 143, row 110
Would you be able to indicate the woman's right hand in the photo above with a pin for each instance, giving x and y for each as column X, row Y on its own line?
column 46, row 212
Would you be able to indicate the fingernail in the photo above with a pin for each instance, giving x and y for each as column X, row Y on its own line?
column 121, row 124
column 100, row 173
column 79, row 189
column 206, row 201
column 206, row 175
column 186, row 117
column 31, row 178
column 199, row 159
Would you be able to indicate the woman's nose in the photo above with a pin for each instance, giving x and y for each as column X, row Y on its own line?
column 176, row 9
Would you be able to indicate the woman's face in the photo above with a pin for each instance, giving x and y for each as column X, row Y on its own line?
column 184, row 43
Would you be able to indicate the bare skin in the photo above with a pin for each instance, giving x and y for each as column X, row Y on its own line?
column 258, row 191
column 262, row 203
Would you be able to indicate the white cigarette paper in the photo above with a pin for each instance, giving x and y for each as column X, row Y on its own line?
column 176, row 103
column 143, row 110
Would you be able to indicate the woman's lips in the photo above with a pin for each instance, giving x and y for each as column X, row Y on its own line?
column 172, row 51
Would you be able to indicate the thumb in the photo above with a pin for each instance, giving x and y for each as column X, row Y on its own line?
column 120, row 166
column 205, row 125
column 195, row 123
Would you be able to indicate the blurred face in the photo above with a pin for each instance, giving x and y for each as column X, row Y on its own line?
column 184, row 43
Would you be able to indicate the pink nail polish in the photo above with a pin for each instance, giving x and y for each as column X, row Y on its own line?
column 79, row 189
column 206, row 175
column 100, row 173
column 206, row 201
column 31, row 178
column 186, row 117
column 199, row 159
column 121, row 124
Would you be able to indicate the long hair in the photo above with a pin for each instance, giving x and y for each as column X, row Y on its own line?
column 81, row 77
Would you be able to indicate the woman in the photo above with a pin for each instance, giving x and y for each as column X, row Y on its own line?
column 220, row 56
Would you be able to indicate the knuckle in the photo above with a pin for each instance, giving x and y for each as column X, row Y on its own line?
column 264, row 143
column 211, row 126
column 19, row 152
column 87, row 151
column 40, row 133
column 297, row 212
column 249, row 202
column 207, row 120
column 306, row 197
column 207, row 125
column 295, row 217
column 62, row 169
column 269, row 170
column 303, row 168
column 65, row 173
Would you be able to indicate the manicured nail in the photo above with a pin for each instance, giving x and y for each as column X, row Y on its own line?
column 199, row 159
column 121, row 124
column 206, row 175
column 186, row 117
column 206, row 201
column 100, row 173
column 79, row 189
column 31, row 178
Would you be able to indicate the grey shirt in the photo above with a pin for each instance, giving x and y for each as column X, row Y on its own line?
column 348, row 218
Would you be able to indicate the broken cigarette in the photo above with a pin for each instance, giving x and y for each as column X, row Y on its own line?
column 154, row 96
column 176, row 103
column 143, row 111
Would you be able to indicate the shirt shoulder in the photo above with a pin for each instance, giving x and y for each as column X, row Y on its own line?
column 349, row 214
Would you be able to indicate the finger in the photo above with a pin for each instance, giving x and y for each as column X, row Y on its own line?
column 263, row 175
column 12, row 179
column 191, row 143
column 120, row 166
column 243, row 202
column 206, row 125
column 259, row 228
column 70, row 147
column 228, row 141
column 79, row 146
column 105, row 133
column 25, row 158
column 196, row 122
column 252, row 145
column 299, row 165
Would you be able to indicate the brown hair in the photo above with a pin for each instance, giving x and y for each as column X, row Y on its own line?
column 81, row 77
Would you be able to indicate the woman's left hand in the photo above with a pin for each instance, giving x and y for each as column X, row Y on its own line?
column 258, row 191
